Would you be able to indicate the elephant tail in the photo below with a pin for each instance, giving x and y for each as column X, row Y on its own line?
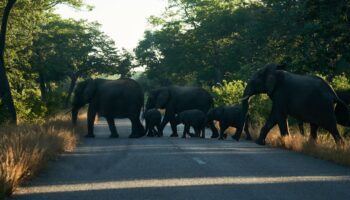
column 342, row 113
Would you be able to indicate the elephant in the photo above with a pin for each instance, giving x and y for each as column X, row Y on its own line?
column 195, row 118
column 175, row 99
column 305, row 97
column 344, row 95
column 153, row 119
column 122, row 98
column 230, row 116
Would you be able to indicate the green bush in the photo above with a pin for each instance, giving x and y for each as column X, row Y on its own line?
column 340, row 82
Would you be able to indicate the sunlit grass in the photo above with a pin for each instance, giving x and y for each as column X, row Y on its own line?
column 25, row 149
column 324, row 148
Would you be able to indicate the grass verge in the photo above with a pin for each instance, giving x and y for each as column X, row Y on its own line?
column 25, row 149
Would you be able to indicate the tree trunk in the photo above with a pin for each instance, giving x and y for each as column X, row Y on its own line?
column 217, row 64
column 73, row 81
column 43, row 89
column 5, row 91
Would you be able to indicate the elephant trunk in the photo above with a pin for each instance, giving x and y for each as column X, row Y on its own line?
column 246, row 95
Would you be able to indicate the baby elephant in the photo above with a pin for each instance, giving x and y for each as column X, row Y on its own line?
column 229, row 116
column 195, row 118
column 153, row 119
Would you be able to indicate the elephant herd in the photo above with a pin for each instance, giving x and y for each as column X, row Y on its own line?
column 309, row 99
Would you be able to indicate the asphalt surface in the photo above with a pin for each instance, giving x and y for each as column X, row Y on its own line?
column 176, row 168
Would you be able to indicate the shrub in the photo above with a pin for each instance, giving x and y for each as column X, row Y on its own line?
column 25, row 149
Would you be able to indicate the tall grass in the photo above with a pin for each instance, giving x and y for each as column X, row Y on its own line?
column 324, row 148
column 25, row 149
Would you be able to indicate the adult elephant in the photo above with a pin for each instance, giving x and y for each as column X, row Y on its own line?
column 122, row 98
column 175, row 99
column 306, row 98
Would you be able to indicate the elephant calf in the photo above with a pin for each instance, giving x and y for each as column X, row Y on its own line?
column 195, row 118
column 153, row 119
column 229, row 116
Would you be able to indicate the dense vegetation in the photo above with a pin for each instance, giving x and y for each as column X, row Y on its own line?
column 194, row 42
column 45, row 56
column 207, row 41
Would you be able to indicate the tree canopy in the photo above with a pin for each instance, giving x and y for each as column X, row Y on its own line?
column 46, row 55
column 206, row 41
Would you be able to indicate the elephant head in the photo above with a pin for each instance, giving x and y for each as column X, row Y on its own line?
column 158, row 98
column 263, row 81
column 83, row 94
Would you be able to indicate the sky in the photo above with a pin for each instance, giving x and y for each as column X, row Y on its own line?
column 123, row 20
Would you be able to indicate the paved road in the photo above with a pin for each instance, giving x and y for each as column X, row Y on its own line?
column 175, row 168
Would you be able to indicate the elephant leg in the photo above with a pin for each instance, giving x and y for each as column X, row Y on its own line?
column 163, row 124
column 313, row 133
column 173, row 127
column 154, row 131
column 186, row 130
column 112, row 128
column 197, row 132
column 283, row 126
column 203, row 132
column 158, row 131
column 270, row 123
column 239, row 130
column 332, row 128
column 223, row 128
column 91, row 120
column 246, row 130
column 147, row 129
column 137, row 128
column 214, row 131
column 237, row 135
column 301, row 127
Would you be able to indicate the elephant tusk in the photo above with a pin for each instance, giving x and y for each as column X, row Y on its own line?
column 244, row 98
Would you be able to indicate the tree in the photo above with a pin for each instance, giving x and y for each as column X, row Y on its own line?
column 71, row 49
column 5, row 90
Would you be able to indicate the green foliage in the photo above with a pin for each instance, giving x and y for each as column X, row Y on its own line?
column 228, row 93
column 341, row 82
column 46, row 55
column 215, row 40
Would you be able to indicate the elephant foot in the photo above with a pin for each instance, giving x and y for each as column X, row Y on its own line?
column 184, row 136
column 174, row 135
column 192, row 135
column 235, row 137
column 221, row 138
column 114, row 135
column 90, row 136
column 150, row 135
column 260, row 142
column 215, row 136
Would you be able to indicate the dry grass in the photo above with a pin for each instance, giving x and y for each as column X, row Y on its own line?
column 25, row 149
column 324, row 148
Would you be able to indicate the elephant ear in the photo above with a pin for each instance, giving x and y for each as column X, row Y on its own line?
column 163, row 98
column 271, row 77
column 90, row 90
